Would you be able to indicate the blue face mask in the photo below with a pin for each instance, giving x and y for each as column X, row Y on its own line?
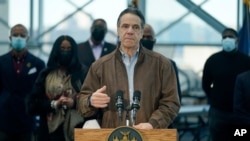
column 18, row 43
column 228, row 44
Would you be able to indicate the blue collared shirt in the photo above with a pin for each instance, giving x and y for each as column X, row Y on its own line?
column 130, row 66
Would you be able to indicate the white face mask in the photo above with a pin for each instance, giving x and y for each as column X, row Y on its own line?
column 228, row 44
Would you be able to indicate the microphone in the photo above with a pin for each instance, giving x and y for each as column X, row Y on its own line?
column 119, row 103
column 136, row 104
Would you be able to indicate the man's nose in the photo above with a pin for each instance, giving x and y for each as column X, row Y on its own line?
column 130, row 30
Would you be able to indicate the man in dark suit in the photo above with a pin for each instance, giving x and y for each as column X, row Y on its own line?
column 18, row 72
column 241, row 99
column 148, row 41
column 218, row 81
column 95, row 47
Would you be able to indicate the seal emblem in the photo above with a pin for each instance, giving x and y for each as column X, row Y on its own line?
column 125, row 133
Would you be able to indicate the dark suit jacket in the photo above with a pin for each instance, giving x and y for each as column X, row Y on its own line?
column 13, row 91
column 242, row 98
column 86, row 55
column 177, row 79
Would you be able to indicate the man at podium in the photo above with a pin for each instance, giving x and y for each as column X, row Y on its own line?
column 132, row 85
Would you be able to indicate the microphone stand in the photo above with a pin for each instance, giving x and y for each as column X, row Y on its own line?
column 133, row 116
column 127, row 117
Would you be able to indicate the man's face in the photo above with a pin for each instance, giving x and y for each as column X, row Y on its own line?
column 148, row 39
column 229, row 34
column 229, row 41
column 98, row 31
column 130, row 31
column 19, row 31
column 148, row 34
column 18, row 37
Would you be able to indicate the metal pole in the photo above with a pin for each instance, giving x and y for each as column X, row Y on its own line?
column 31, row 19
column 40, row 20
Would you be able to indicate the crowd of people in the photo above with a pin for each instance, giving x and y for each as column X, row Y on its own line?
column 84, row 81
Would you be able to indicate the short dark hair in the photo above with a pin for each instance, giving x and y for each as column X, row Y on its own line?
column 101, row 20
column 230, row 30
column 134, row 11
column 21, row 25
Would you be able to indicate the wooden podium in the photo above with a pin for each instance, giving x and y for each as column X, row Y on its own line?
column 148, row 135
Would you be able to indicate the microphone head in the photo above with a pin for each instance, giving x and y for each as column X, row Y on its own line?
column 119, row 103
column 137, row 94
column 136, row 100
column 119, row 99
column 119, row 94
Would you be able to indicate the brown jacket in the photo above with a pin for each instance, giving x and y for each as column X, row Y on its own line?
column 154, row 77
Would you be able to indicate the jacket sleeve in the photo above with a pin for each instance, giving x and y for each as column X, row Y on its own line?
column 240, row 96
column 36, row 102
column 206, row 79
column 89, row 86
column 169, row 103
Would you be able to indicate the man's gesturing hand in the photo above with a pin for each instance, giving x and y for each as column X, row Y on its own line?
column 100, row 99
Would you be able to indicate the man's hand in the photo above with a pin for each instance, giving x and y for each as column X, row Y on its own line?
column 143, row 126
column 100, row 99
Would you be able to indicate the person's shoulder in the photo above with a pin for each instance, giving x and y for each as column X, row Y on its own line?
column 156, row 55
column 104, row 59
column 5, row 55
column 34, row 58
column 107, row 57
column 5, row 58
column 216, row 54
column 31, row 55
column 243, row 55
column 109, row 44
column 153, row 54
column 244, row 75
column 83, row 43
column 214, row 57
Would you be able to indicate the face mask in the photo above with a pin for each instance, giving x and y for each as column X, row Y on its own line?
column 149, row 44
column 228, row 44
column 98, row 33
column 18, row 43
column 65, row 58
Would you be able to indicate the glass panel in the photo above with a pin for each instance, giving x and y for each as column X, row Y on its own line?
column 224, row 11
column 175, row 24
column 19, row 12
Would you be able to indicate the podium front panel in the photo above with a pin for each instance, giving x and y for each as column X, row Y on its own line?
column 103, row 134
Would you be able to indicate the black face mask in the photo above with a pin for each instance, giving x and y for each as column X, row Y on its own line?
column 98, row 33
column 65, row 58
column 149, row 44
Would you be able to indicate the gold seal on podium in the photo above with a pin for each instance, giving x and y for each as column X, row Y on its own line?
column 125, row 133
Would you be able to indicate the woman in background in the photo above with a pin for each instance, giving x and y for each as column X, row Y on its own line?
column 54, row 94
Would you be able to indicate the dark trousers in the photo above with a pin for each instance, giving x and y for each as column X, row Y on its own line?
column 220, row 125
column 15, row 136
column 58, row 135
